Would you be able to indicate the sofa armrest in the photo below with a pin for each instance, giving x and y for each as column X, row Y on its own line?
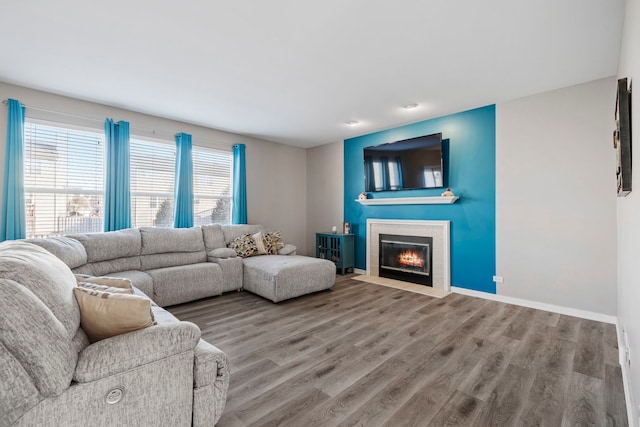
column 287, row 250
column 127, row 351
column 211, row 382
column 222, row 253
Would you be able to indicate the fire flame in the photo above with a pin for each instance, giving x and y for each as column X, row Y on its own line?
column 410, row 259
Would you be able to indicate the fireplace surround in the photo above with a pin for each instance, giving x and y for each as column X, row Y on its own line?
column 438, row 231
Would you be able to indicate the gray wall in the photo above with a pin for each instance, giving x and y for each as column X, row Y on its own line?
column 325, row 188
column 276, row 173
column 556, row 199
column 276, row 190
column 629, row 214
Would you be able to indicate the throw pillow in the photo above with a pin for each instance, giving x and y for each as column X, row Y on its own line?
column 273, row 242
column 114, row 282
column 103, row 288
column 259, row 239
column 244, row 246
column 106, row 314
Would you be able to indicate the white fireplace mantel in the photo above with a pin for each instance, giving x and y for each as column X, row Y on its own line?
column 414, row 227
column 438, row 200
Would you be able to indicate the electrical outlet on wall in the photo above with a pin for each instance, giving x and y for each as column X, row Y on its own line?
column 627, row 349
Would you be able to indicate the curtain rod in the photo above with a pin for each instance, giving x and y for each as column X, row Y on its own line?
column 153, row 131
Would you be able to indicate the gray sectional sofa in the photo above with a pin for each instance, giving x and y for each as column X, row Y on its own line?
column 50, row 374
column 174, row 266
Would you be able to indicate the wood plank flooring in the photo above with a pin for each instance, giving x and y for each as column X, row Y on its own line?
column 367, row 355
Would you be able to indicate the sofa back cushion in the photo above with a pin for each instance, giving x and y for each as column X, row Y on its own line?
column 39, row 316
column 18, row 392
column 110, row 252
column 110, row 245
column 213, row 237
column 169, row 247
column 69, row 250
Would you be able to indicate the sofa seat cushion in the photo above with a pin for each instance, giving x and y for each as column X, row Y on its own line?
column 175, row 285
column 280, row 277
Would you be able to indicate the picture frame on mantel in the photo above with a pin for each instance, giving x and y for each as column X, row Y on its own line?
column 622, row 138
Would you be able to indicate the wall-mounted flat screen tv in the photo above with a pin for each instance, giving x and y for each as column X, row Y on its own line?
column 404, row 165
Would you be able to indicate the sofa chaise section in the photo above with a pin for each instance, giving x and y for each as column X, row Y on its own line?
column 283, row 276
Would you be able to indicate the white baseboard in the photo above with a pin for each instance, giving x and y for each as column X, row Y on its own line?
column 583, row 314
column 633, row 421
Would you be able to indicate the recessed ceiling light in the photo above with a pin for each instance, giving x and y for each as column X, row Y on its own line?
column 410, row 106
column 352, row 122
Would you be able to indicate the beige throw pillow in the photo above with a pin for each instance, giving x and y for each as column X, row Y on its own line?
column 259, row 239
column 106, row 314
column 114, row 282
column 103, row 288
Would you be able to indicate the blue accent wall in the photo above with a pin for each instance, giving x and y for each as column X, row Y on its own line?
column 470, row 169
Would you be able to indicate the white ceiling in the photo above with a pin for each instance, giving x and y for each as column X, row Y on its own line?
column 295, row 71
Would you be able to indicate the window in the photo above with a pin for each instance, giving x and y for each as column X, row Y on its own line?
column 211, row 186
column 432, row 177
column 63, row 180
column 378, row 181
column 394, row 175
column 152, row 181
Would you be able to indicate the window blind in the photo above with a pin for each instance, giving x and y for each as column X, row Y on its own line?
column 63, row 180
column 152, row 181
column 211, row 186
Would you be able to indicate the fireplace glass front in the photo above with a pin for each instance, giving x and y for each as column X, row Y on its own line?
column 406, row 258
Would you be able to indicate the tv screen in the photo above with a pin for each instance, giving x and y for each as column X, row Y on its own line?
column 622, row 138
column 404, row 165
